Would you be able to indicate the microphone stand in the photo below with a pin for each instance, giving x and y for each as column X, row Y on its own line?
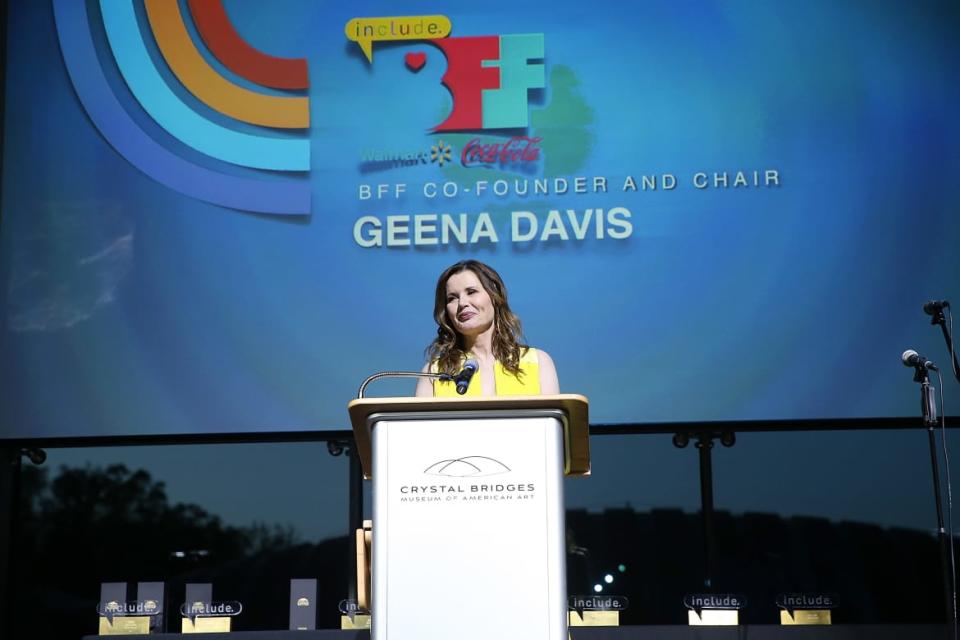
column 939, row 319
column 929, row 411
column 705, row 450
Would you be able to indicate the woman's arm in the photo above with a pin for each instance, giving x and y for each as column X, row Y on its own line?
column 549, row 383
column 424, row 385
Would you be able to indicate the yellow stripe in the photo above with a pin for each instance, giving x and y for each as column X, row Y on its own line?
column 212, row 88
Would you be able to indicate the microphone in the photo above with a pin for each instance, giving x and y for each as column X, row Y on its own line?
column 911, row 358
column 933, row 307
column 470, row 367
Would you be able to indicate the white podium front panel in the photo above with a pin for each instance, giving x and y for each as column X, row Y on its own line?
column 468, row 529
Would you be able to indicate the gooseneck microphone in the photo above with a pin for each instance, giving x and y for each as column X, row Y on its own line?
column 445, row 377
column 470, row 367
column 911, row 358
column 462, row 379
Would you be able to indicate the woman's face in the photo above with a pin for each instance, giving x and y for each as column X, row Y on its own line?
column 469, row 306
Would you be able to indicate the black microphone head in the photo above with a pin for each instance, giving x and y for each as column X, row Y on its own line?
column 470, row 367
column 910, row 358
column 933, row 307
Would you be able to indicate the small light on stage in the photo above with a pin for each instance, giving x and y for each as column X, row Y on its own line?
column 598, row 588
column 608, row 578
column 179, row 554
column 622, row 568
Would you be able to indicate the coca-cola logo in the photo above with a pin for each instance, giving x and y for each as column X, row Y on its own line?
column 516, row 150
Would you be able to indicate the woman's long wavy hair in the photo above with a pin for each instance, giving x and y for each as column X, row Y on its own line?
column 448, row 349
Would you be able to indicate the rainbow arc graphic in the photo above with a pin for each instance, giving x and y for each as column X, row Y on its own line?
column 285, row 191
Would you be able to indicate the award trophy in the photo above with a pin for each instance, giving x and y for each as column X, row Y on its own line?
column 119, row 616
column 202, row 615
column 303, row 605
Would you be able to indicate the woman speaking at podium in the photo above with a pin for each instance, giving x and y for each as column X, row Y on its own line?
column 474, row 322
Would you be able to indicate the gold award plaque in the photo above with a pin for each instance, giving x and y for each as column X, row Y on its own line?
column 124, row 626
column 205, row 625
column 594, row 619
column 714, row 617
column 359, row 621
column 806, row 616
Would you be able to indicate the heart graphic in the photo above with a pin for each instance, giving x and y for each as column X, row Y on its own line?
column 415, row 60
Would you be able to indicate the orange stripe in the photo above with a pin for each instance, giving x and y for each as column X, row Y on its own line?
column 212, row 88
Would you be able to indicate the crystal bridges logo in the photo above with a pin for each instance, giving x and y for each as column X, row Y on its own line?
column 468, row 467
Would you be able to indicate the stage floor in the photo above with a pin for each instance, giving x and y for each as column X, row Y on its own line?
column 747, row 632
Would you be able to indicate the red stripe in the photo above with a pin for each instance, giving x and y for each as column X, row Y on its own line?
column 238, row 56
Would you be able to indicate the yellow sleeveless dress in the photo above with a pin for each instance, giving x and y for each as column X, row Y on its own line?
column 506, row 383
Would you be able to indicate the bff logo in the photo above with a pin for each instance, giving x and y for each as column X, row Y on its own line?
column 489, row 77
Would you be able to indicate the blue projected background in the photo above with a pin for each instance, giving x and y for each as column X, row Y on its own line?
column 665, row 290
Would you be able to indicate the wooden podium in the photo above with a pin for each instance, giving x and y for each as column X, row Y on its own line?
column 468, row 513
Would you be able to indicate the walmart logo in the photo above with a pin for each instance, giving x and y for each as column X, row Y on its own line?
column 284, row 158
